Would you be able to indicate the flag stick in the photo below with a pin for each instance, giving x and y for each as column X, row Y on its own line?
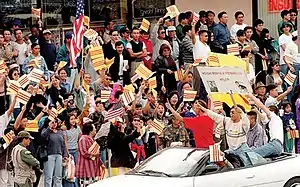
column 162, row 79
column 233, row 101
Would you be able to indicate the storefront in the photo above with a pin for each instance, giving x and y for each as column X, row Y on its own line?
column 59, row 13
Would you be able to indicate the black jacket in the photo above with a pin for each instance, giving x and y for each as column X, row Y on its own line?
column 114, row 69
column 118, row 142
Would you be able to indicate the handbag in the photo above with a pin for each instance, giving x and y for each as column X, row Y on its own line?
column 42, row 153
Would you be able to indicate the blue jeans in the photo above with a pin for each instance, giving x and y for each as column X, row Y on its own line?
column 103, row 157
column 74, row 153
column 53, row 171
column 273, row 148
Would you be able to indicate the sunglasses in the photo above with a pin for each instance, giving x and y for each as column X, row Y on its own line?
column 15, row 74
column 136, row 119
column 293, row 14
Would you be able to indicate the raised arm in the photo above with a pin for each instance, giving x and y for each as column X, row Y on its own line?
column 259, row 104
column 282, row 96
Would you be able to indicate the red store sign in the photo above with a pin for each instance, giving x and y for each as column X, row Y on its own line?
column 279, row 5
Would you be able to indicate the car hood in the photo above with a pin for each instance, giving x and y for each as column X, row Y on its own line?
column 145, row 181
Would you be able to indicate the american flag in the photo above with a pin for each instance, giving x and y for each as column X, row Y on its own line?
column 215, row 154
column 113, row 113
column 105, row 95
column 78, row 32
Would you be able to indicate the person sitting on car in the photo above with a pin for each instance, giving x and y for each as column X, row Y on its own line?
column 236, row 127
column 275, row 145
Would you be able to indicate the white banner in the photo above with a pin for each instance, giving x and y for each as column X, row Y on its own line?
column 225, row 80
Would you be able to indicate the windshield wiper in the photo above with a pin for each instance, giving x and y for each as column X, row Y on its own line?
column 152, row 172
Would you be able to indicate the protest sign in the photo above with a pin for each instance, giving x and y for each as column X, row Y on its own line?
column 225, row 80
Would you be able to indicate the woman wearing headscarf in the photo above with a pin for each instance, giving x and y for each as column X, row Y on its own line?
column 165, row 65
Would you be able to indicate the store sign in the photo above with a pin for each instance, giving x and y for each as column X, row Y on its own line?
column 279, row 5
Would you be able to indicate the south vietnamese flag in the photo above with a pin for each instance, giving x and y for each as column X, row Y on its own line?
column 202, row 127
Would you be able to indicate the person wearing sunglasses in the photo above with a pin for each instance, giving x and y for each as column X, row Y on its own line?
column 293, row 21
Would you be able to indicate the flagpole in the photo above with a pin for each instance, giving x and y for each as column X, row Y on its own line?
column 233, row 101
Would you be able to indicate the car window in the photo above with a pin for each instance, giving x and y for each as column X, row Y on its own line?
column 173, row 162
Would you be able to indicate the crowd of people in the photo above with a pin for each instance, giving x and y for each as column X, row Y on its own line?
column 64, row 133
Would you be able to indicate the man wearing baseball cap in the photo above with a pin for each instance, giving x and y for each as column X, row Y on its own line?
column 24, row 162
column 48, row 49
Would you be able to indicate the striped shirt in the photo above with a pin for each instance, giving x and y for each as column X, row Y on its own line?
column 187, row 50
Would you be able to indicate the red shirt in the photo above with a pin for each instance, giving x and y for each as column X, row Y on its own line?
column 202, row 127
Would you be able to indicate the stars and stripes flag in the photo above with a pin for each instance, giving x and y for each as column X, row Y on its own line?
column 94, row 149
column 78, row 32
column 23, row 96
column 233, row 49
column 290, row 78
column 189, row 95
column 13, row 87
column 32, row 126
column 36, row 75
column 24, row 81
column 215, row 154
column 105, row 95
column 157, row 127
column 128, row 97
column 113, row 113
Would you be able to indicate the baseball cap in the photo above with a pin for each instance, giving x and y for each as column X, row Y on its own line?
column 68, row 35
column 24, row 134
column 47, row 31
column 124, row 30
column 171, row 28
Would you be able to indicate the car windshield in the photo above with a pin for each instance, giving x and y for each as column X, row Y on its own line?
column 170, row 162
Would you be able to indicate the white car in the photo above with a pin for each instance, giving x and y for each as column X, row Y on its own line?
column 189, row 167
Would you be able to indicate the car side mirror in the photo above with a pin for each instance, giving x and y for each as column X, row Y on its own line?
column 211, row 168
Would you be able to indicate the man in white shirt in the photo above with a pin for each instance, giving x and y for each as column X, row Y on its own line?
column 239, row 25
column 22, row 47
column 274, row 99
column 200, row 48
column 275, row 145
column 283, row 40
column 292, row 57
